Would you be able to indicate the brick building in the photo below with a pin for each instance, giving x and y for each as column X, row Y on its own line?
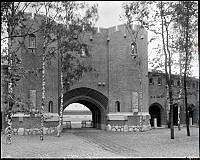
column 158, row 107
column 111, row 92
column 117, row 92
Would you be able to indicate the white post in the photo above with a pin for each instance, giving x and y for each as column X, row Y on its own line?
column 190, row 121
column 155, row 122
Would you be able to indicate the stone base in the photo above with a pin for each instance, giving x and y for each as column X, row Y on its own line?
column 125, row 122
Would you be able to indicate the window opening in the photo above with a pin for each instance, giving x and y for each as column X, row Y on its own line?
column 178, row 83
column 84, row 51
column 32, row 41
column 133, row 49
column 151, row 81
column 51, row 106
column 159, row 81
column 118, row 106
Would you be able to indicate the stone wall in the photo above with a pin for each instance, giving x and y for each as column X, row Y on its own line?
column 135, row 123
column 31, row 126
column 31, row 122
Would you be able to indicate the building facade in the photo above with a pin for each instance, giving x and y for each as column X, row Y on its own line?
column 158, row 103
column 117, row 92
column 113, row 92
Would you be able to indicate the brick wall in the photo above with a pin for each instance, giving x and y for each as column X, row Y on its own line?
column 31, row 122
column 110, row 57
column 157, row 94
column 112, row 61
column 28, row 122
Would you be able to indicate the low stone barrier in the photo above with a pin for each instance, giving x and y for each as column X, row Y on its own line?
column 34, row 131
column 126, row 128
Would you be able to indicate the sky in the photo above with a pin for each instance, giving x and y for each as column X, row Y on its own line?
column 76, row 106
column 108, row 13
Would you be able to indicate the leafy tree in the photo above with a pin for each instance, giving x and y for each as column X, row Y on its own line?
column 187, row 24
column 14, row 18
column 134, row 13
column 67, row 37
column 71, row 45
column 12, row 14
column 163, row 19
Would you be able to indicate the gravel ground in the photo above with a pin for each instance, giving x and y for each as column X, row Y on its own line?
column 101, row 144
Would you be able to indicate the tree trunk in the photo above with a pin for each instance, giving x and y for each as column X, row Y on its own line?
column 168, row 76
column 185, row 72
column 180, row 93
column 43, row 95
column 10, row 73
column 60, row 56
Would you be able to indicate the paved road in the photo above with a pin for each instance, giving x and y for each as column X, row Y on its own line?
column 153, row 143
column 101, row 144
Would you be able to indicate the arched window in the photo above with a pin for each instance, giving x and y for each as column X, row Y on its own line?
column 117, row 103
column 133, row 49
column 151, row 81
column 51, row 106
column 188, row 84
column 84, row 51
column 178, row 83
column 32, row 41
column 159, row 81
column 172, row 82
column 193, row 85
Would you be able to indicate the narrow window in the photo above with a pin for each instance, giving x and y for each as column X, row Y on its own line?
column 133, row 49
column 172, row 82
column 151, row 81
column 188, row 84
column 193, row 85
column 51, row 106
column 117, row 106
column 32, row 41
column 84, row 51
column 159, row 81
column 178, row 83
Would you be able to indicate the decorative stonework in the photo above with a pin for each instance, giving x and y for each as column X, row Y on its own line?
column 21, row 131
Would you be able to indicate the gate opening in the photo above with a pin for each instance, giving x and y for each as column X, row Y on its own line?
column 77, row 115
column 93, row 100
column 155, row 113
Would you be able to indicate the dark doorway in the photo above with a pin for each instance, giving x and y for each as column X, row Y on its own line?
column 155, row 112
column 191, row 112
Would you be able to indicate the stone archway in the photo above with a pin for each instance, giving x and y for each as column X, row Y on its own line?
column 92, row 99
column 155, row 111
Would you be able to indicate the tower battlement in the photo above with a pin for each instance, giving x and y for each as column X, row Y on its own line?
column 123, row 28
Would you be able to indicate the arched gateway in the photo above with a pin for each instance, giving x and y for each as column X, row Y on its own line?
column 155, row 110
column 94, row 100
